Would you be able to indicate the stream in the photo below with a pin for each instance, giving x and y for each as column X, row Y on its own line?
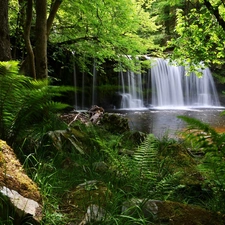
column 165, row 122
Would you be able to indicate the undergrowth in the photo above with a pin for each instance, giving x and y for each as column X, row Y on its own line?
column 145, row 172
column 59, row 157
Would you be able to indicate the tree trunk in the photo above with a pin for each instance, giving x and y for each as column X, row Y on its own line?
column 27, row 27
column 52, row 14
column 41, row 39
column 5, row 51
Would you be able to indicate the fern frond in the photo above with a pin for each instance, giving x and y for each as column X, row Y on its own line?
column 146, row 158
column 168, row 185
column 25, row 103
column 213, row 166
column 201, row 134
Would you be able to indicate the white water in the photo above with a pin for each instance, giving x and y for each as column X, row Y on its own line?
column 170, row 88
column 132, row 94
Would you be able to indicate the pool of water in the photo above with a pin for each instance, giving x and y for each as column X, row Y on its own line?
column 163, row 122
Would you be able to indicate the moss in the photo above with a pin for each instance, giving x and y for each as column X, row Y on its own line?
column 77, row 200
column 178, row 159
column 177, row 214
column 13, row 176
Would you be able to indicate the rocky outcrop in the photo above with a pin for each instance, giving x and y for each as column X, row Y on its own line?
column 19, row 195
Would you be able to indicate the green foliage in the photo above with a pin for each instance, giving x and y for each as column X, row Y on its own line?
column 206, row 140
column 152, row 169
column 145, row 159
column 105, row 30
column 200, row 39
column 27, row 107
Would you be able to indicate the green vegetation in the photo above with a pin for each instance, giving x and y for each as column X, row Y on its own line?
column 27, row 106
column 155, row 169
column 59, row 156
column 112, row 166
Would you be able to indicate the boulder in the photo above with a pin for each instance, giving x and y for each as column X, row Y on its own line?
column 115, row 123
column 87, row 201
column 19, row 195
column 168, row 212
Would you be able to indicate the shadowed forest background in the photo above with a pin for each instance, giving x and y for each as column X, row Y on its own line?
column 102, row 167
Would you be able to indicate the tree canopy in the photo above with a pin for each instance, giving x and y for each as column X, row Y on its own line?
column 200, row 34
column 189, row 31
column 100, row 29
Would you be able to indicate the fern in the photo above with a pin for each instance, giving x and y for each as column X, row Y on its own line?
column 154, row 175
column 26, row 105
column 146, row 159
column 202, row 135
column 213, row 146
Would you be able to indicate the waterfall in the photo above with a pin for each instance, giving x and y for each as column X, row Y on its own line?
column 94, row 82
column 131, row 94
column 167, row 86
column 172, row 89
column 162, row 86
column 75, row 84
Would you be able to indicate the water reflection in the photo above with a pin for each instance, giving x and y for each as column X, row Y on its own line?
column 165, row 122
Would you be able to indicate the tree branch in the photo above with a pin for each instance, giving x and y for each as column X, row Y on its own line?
column 216, row 13
column 73, row 41
column 54, row 9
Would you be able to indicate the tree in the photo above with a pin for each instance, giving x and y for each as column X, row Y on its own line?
column 36, row 61
column 5, row 51
column 100, row 29
column 105, row 30
column 200, row 35
column 41, row 39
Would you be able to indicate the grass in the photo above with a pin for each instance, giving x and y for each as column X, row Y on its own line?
column 158, row 169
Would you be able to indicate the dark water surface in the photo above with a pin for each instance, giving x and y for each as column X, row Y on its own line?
column 165, row 122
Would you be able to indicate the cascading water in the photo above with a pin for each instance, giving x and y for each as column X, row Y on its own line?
column 163, row 86
column 172, row 89
column 132, row 94
column 166, row 86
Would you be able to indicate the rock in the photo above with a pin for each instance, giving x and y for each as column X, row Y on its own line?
column 148, row 207
column 115, row 123
column 23, row 206
column 89, row 195
column 94, row 213
column 19, row 193
column 168, row 212
column 100, row 167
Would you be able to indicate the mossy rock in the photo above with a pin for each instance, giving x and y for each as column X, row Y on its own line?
column 14, row 177
column 177, row 158
column 77, row 200
column 175, row 213
column 171, row 213
column 114, row 123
